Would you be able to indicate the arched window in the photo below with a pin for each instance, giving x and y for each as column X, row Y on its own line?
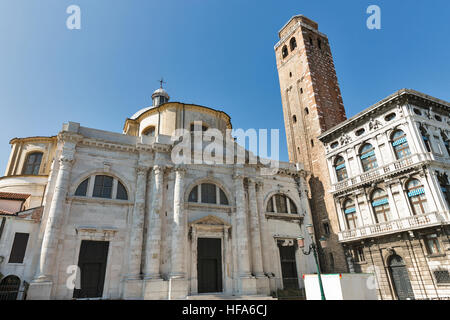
column 9, row 288
column 293, row 43
column 82, row 188
column 341, row 170
column 32, row 163
column 284, row 52
column 400, row 144
column 350, row 214
column 208, row 193
column 149, row 131
column 104, row 187
column 417, row 198
column 380, row 205
column 281, row 203
column 121, row 191
column 294, row 118
column 368, row 158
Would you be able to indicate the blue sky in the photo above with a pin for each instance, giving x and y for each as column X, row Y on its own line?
column 213, row 53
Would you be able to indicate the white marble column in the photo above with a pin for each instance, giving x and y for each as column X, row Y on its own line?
column 264, row 232
column 241, row 228
column 153, row 236
column 55, row 216
column 178, row 226
column 255, row 231
column 137, row 225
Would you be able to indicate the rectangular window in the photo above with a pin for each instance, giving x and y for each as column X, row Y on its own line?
column 19, row 247
column 432, row 244
column 103, row 187
column 209, row 193
column 442, row 276
column 281, row 204
column 326, row 228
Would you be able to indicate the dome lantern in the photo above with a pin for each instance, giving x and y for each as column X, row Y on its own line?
column 160, row 96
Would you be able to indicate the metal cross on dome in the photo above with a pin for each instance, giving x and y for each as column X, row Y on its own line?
column 161, row 82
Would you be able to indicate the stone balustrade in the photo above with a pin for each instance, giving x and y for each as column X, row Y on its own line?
column 381, row 172
column 393, row 226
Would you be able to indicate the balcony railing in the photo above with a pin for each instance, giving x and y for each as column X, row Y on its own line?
column 381, row 171
column 393, row 226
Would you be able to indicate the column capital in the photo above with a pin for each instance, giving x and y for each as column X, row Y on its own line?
column 141, row 170
column 66, row 160
column 180, row 169
column 159, row 169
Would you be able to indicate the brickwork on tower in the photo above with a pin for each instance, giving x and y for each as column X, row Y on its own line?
column 312, row 104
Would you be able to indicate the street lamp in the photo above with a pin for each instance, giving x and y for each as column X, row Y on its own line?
column 313, row 248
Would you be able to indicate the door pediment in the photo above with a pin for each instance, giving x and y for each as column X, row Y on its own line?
column 210, row 222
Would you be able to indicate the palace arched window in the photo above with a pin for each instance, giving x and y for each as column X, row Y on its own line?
column 417, row 198
column 281, row 203
column 208, row 193
column 293, row 44
column 341, row 170
column 380, row 205
column 284, row 51
column 149, row 131
column 400, row 144
column 350, row 214
column 104, row 187
column 32, row 163
column 368, row 158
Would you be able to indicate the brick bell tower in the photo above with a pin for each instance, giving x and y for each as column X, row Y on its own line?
column 312, row 104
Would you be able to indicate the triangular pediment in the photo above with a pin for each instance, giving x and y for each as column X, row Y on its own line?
column 210, row 220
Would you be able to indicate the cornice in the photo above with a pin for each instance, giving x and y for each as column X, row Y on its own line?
column 403, row 96
column 34, row 139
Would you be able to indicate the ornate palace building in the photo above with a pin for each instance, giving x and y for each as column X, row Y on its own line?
column 137, row 225
column 389, row 167
column 379, row 183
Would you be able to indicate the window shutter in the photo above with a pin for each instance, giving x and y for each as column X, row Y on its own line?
column 19, row 247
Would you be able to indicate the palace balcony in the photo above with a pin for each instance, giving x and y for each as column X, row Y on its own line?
column 383, row 172
column 404, row 224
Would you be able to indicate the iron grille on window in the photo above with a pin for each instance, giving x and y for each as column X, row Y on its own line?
column 442, row 276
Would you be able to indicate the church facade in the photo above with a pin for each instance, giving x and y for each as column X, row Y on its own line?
column 110, row 215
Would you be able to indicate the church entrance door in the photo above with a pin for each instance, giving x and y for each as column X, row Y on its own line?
column 288, row 266
column 209, row 265
column 92, row 264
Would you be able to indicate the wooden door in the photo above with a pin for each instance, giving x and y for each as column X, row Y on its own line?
column 92, row 263
column 209, row 265
column 400, row 278
column 288, row 267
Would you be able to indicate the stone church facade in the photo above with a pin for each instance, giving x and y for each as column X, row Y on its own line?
column 139, row 226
